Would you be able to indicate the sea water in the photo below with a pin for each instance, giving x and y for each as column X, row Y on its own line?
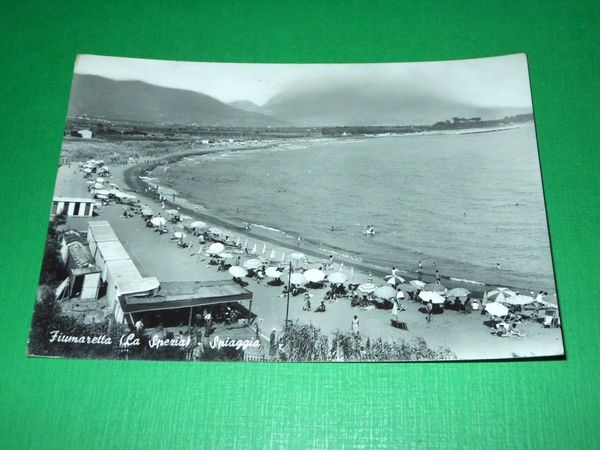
column 461, row 203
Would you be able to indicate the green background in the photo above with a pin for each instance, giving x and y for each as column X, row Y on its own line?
column 66, row 404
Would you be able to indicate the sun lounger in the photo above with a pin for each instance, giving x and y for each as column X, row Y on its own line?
column 399, row 324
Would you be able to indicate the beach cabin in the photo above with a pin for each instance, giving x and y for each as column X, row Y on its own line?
column 71, row 195
column 84, row 275
column 99, row 231
column 109, row 251
column 123, row 277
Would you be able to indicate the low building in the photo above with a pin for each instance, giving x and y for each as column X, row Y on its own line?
column 184, row 298
column 71, row 195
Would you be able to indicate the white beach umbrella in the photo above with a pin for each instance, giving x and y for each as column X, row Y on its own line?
column 297, row 278
column 394, row 279
column 238, row 271
column 367, row 288
column 314, row 275
column 145, row 211
column 272, row 256
column 297, row 256
column 435, row 298
column 264, row 248
column 457, row 292
column 100, row 180
column 272, row 272
column 179, row 235
column 518, row 300
column 158, row 221
column 98, row 186
column 417, row 283
column 496, row 309
column 253, row 249
column 252, row 263
column 215, row 248
column 385, row 292
column 337, row 277
column 282, row 257
column 198, row 225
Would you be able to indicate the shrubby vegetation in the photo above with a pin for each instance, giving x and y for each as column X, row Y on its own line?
column 305, row 342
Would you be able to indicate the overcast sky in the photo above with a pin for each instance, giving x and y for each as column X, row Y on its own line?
column 490, row 82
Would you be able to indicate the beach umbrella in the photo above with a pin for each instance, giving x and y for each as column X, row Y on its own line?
column 496, row 309
column 158, row 221
column 215, row 248
column 198, row 225
column 246, row 243
column 87, row 170
column 272, row 257
column 367, row 288
column 215, row 230
column 252, row 263
column 282, row 257
column 352, row 274
column 501, row 292
column 98, row 186
column 341, row 266
column 272, row 272
column 100, row 180
column 337, row 277
column 146, row 211
column 238, row 271
column 394, row 279
column 264, row 248
column 435, row 298
column 434, row 287
column 406, row 287
column 517, row 300
column 385, row 292
column 417, row 283
column 225, row 255
column 185, row 218
column 254, row 249
column 297, row 278
column 297, row 256
column 457, row 292
column 179, row 235
column 314, row 275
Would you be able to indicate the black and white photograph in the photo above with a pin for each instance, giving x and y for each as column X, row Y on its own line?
column 372, row 212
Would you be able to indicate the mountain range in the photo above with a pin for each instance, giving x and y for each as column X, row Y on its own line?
column 328, row 104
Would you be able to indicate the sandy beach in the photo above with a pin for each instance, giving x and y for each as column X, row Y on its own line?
column 468, row 336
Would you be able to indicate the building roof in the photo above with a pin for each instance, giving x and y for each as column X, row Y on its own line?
column 71, row 236
column 70, row 186
column 112, row 250
column 185, row 294
column 85, row 271
column 123, row 271
column 79, row 254
column 101, row 231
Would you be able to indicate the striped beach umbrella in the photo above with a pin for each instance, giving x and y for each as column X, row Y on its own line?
column 367, row 288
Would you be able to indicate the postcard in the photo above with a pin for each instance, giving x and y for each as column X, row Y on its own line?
column 298, row 212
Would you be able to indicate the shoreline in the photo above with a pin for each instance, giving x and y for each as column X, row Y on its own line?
column 134, row 183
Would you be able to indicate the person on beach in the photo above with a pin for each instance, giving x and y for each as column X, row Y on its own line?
column 355, row 325
column 207, row 323
column 395, row 311
column 438, row 277
column 429, row 307
column 299, row 239
column 498, row 266
column 273, row 343
column 420, row 267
